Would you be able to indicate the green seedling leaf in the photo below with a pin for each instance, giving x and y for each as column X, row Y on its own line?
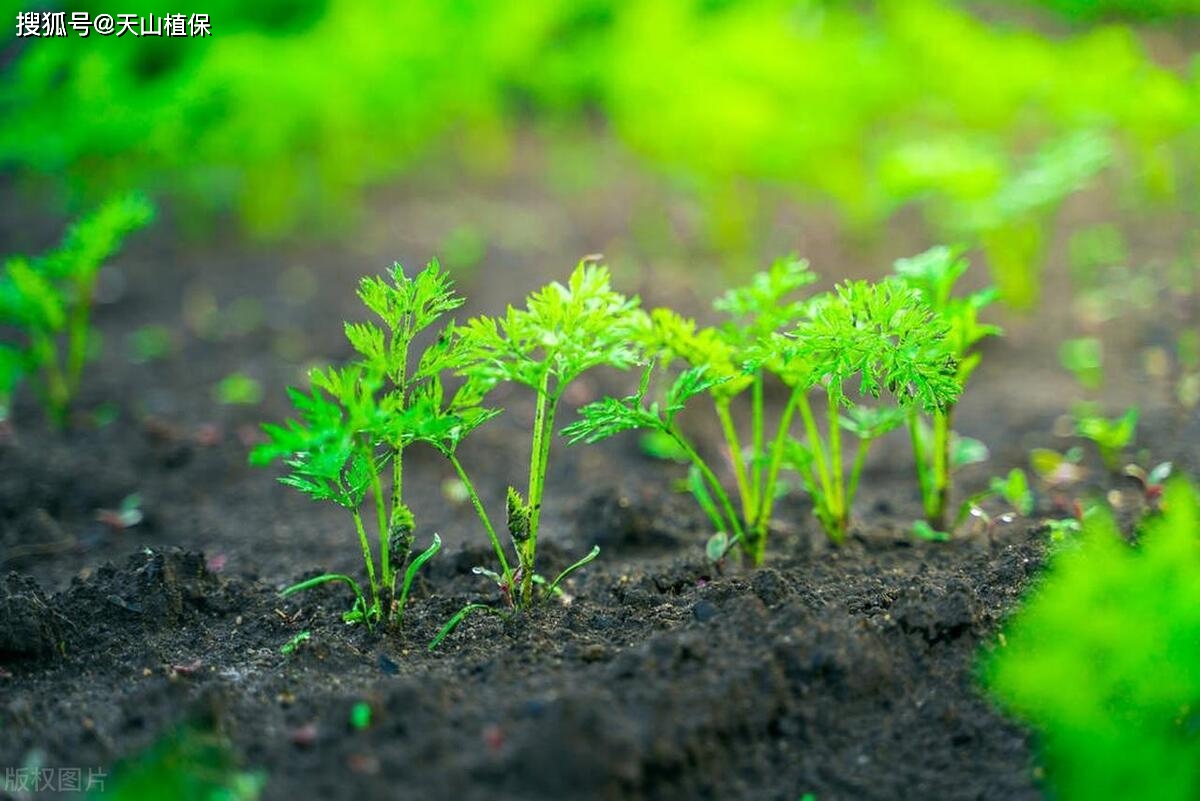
column 1015, row 490
column 924, row 531
column 717, row 546
column 289, row 647
column 458, row 618
column 662, row 446
column 411, row 574
column 966, row 450
column 1112, row 436
column 592, row 554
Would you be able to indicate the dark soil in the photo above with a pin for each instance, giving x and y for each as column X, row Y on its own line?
column 847, row 673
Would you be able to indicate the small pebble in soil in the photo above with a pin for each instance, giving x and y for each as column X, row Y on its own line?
column 704, row 611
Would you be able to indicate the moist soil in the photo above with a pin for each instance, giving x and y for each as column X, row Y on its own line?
column 847, row 673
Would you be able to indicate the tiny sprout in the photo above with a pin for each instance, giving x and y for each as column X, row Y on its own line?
column 1112, row 436
column 1152, row 481
column 1057, row 470
column 128, row 515
column 289, row 647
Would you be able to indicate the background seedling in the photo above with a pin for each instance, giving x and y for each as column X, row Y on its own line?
column 48, row 300
column 1112, row 436
column 883, row 334
column 888, row 338
column 1084, row 358
column 937, row 449
column 725, row 363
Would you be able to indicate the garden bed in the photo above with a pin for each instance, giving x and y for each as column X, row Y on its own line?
column 844, row 672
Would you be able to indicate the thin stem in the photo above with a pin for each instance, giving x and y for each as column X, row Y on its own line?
column 763, row 518
column 941, row 467
column 816, row 444
column 483, row 516
column 923, row 477
column 711, row 478
column 77, row 338
column 58, row 393
column 543, row 430
column 756, row 427
column 860, row 459
column 385, row 566
column 367, row 558
column 838, row 502
column 735, row 451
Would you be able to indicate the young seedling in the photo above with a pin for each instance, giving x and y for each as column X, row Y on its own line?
column 1013, row 489
column 881, row 333
column 47, row 301
column 1112, row 436
column 362, row 417
column 885, row 335
column 937, row 449
column 563, row 332
column 725, row 363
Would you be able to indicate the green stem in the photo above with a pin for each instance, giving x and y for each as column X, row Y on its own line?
column 816, row 445
column 735, row 451
column 756, row 427
column 543, row 431
column 941, row 467
column 711, row 478
column 77, row 333
column 860, row 458
column 58, row 392
column 840, row 511
column 385, row 567
column 762, row 520
column 368, row 559
column 483, row 516
column 919, row 458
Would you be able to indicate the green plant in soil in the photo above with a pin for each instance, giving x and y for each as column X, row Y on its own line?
column 937, row 449
column 563, row 331
column 359, row 420
column 47, row 302
column 885, row 336
column 1101, row 659
column 726, row 362
column 881, row 333
column 1111, row 435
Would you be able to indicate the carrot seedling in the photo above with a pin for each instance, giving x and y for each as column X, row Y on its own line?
column 563, row 331
column 881, row 333
column 47, row 301
column 725, row 363
column 937, row 449
column 359, row 420
column 886, row 337
column 1112, row 436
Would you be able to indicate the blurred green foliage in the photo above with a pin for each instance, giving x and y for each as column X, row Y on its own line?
column 1103, row 660
column 191, row 763
column 293, row 107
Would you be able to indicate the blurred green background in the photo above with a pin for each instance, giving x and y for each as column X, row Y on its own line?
column 983, row 117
